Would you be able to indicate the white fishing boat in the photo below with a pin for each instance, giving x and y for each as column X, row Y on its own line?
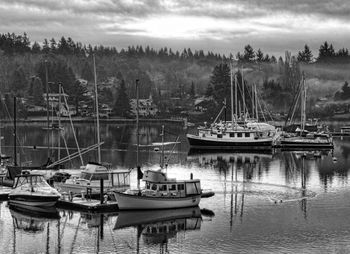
column 160, row 192
column 89, row 180
column 33, row 190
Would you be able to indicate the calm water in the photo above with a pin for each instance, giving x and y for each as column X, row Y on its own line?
column 264, row 203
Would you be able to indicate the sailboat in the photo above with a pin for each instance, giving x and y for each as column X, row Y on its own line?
column 89, row 177
column 160, row 192
column 303, row 138
column 233, row 134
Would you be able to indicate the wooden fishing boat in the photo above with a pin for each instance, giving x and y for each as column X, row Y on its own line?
column 160, row 192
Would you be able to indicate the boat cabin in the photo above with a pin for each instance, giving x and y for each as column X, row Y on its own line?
column 157, row 184
column 29, row 180
column 95, row 172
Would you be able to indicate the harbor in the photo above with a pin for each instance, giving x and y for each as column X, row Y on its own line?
column 248, row 185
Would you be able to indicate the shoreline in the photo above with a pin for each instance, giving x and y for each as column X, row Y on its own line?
column 92, row 120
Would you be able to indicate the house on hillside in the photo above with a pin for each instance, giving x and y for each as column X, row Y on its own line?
column 146, row 107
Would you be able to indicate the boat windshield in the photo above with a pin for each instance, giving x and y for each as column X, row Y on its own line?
column 96, row 176
column 36, row 180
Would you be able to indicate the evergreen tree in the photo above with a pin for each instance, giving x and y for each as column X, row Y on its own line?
column 122, row 104
column 46, row 47
column 259, row 56
column 305, row 55
column 249, row 54
column 36, row 48
column 77, row 93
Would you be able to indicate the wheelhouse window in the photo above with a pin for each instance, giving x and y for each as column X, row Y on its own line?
column 232, row 135
column 163, row 187
column 154, row 187
column 219, row 135
column 181, row 187
column 239, row 135
column 247, row 134
column 172, row 187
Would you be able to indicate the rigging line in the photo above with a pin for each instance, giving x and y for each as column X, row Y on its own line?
column 71, row 122
column 171, row 152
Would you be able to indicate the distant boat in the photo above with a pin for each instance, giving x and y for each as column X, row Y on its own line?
column 301, row 137
column 237, row 133
column 33, row 190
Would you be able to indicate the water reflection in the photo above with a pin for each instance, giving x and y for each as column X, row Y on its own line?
column 157, row 227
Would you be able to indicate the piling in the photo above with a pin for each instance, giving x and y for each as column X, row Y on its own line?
column 101, row 191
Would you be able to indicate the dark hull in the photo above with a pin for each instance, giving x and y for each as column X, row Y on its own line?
column 291, row 144
column 209, row 144
column 33, row 200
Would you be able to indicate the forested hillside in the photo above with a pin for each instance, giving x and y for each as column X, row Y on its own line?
column 163, row 73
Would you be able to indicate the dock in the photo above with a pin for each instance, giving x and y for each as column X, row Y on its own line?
column 92, row 205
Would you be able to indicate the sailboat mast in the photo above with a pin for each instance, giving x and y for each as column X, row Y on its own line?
column 253, row 100
column 97, row 114
column 59, row 122
column 236, row 101
column 14, row 131
column 47, row 110
column 137, row 130
column 162, row 160
column 231, row 79
column 243, row 94
column 303, row 100
column 256, row 103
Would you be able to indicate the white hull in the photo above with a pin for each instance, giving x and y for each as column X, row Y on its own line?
column 78, row 189
column 135, row 202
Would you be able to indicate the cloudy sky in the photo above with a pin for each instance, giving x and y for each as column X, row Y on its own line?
column 221, row 26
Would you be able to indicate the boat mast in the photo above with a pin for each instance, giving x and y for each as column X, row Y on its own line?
column 256, row 103
column 137, row 131
column 162, row 159
column 47, row 109
column 97, row 114
column 303, row 105
column 59, row 121
column 236, row 101
column 243, row 94
column 253, row 100
column 14, row 132
column 231, row 79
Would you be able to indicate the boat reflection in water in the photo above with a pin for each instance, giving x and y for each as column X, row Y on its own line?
column 158, row 226
column 33, row 221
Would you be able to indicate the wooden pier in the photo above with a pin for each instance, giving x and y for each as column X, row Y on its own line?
column 83, row 204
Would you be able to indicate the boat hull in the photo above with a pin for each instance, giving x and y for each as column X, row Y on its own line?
column 32, row 200
column 300, row 143
column 215, row 143
column 136, row 202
